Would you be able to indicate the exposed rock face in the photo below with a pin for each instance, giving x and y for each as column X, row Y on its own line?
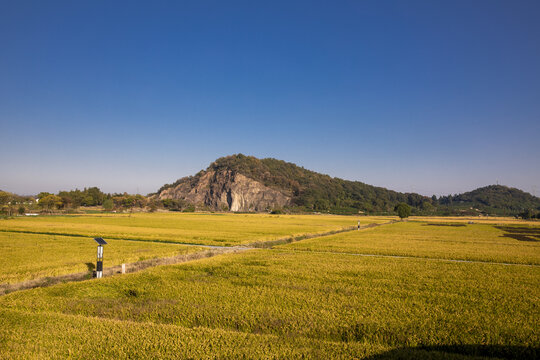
column 227, row 190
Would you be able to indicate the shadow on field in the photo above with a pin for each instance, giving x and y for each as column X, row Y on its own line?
column 443, row 224
column 461, row 352
column 91, row 266
column 521, row 233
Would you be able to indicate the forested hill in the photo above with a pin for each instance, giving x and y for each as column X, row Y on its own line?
column 494, row 199
column 312, row 191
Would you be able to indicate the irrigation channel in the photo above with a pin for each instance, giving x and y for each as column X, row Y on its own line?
column 213, row 250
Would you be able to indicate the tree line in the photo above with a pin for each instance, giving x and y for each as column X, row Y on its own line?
column 66, row 201
column 92, row 196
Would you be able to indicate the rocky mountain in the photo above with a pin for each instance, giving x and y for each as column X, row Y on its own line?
column 225, row 189
column 245, row 183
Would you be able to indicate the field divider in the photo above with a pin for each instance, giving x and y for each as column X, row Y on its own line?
column 290, row 239
column 408, row 257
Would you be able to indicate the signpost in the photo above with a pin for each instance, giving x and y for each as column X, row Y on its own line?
column 358, row 224
column 99, row 265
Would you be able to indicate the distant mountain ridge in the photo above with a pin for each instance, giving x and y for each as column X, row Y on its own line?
column 246, row 183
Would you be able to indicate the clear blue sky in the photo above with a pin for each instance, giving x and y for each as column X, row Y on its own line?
column 427, row 96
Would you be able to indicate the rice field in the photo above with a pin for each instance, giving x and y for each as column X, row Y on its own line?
column 33, row 256
column 312, row 298
column 47, row 246
column 493, row 220
column 362, row 306
column 192, row 228
column 507, row 243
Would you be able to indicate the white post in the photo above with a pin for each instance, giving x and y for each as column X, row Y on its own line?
column 99, row 265
column 123, row 268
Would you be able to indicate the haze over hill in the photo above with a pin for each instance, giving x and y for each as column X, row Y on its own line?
column 245, row 183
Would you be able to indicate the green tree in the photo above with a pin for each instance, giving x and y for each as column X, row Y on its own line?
column 43, row 194
column 21, row 210
column 129, row 201
column 97, row 196
column 108, row 205
column 527, row 214
column 88, row 201
column 50, row 202
column 67, row 200
column 321, row 205
column 403, row 210
column 426, row 205
column 152, row 206
column 5, row 197
column 140, row 201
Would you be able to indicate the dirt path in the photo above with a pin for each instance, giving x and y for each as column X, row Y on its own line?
column 271, row 243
